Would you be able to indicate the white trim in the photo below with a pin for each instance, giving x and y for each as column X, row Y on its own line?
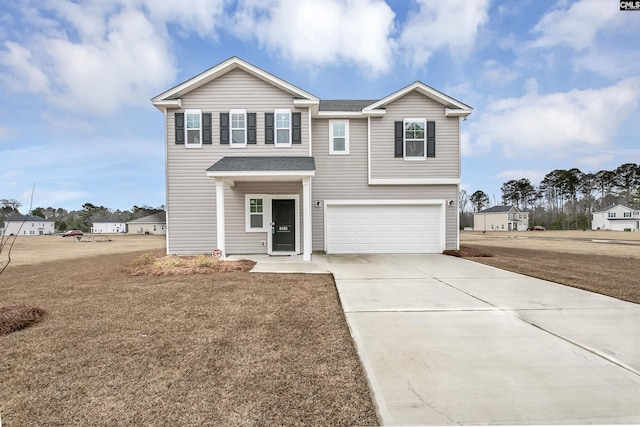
column 456, row 112
column 168, row 103
column 306, row 102
column 231, row 128
column 192, row 111
column 275, row 128
column 422, row 88
column 414, row 181
column 391, row 202
column 269, row 218
column 166, row 178
column 248, row 213
column 310, row 133
column 307, row 220
column 220, row 223
column 369, row 150
column 223, row 68
column 339, row 114
column 346, row 137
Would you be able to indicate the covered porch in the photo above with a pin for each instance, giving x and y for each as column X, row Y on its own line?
column 284, row 218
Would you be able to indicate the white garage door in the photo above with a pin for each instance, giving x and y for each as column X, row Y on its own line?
column 384, row 229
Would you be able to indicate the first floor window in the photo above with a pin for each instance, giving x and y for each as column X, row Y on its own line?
column 193, row 120
column 283, row 127
column 338, row 137
column 415, row 143
column 255, row 206
column 238, row 120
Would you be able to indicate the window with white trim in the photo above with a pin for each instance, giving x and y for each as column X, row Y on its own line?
column 283, row 127
column 193, row 124
column 338, row 136
column 238, row 128
column 627, row 214
column 254, row 213
column 612, row 215
column 415, row 141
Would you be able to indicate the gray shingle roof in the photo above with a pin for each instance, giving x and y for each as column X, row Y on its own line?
column 344, row 104
column 157, row 217
column 21, row 218
column 245, row 164
column 496, row 209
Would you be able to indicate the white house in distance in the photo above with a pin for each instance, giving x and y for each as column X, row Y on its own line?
column 616, row 217
column 150, row 224
column 108, row 226
column 501, row 218
column 27, row 225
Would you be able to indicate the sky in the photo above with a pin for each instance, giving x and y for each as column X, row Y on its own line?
column 553, row 84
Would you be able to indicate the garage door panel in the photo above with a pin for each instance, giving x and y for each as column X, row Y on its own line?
column 384, row 229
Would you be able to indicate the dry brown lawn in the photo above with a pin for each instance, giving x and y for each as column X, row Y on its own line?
column 205, row 349
column 598, row 261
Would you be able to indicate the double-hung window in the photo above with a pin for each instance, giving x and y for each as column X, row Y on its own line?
column 283, row 128
column 254, row 210
column 338, row 136
column 415, row 141
column 193, row 119
column 611, row 215
column 238, row 121
column 627, row 214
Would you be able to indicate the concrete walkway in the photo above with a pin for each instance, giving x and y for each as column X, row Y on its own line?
column 446, row 341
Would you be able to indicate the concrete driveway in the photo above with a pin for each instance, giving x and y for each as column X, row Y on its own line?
column 448, row 341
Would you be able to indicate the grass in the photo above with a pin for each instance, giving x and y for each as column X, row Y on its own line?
column 604, row 268
column 239, row 349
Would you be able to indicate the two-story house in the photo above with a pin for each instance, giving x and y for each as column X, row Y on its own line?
column 108, row 226
column 616, row 217
column 27, row 225
column 501, row 218
column 255, row 164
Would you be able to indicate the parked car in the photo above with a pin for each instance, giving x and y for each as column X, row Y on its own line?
column 71, row 233
column 536, row 228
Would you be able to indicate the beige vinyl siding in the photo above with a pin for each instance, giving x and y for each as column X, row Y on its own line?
column 238, row 240
column 191, row 195
column 344, row 177
column 413, row 105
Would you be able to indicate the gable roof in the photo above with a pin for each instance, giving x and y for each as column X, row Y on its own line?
column 499, row 209
column 613, row 206
column 171, row 97
column 453, row 106
column 21, row 218
column 158, row 217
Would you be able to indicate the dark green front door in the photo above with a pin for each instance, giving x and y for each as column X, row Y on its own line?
column 283, row 225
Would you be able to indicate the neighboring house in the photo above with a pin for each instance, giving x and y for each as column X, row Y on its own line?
column 501, row 218
column 27, row 225
column 255, row 164
column 150, row 224
column 617, row 217
column 108, row 226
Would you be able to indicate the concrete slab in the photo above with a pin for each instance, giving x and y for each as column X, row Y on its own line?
column 486, row 367
column 281, row 264
column 391, row 295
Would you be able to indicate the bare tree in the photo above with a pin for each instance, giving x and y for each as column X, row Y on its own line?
column 7, row 242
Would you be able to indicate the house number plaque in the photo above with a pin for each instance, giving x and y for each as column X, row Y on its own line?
column 283, row 228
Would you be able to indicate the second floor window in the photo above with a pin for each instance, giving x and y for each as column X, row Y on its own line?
column 627, row 214
column 612, row 214
column 339, row 137
column 193, row 120
column 283, row 127
column 415, row 145
column 238, row 119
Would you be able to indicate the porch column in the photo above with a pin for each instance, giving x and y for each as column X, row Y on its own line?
column 220, row 217
column 306, row 215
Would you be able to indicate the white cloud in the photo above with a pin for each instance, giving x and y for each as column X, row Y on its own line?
column 442, row 24
column 555, row 125
column 534, row 176
column 321, row 32
column 26, row 76
column 494, row 72
column 595, row 161
column 97, row 56
column 576, row 26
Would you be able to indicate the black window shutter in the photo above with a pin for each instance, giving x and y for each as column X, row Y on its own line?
column 431, row 139
column 268, row 128
column 206, row 128
column 224, row 128
column 399, row 138
column 179, row 118
column 296, row 128
column 251, row 128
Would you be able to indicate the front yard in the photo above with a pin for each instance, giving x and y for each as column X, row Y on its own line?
column 215, row 349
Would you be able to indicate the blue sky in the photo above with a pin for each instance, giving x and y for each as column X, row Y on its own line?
column 553, row 84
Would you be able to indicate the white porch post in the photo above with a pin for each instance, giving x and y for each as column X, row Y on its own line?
column 220, row 217
column 306, row 212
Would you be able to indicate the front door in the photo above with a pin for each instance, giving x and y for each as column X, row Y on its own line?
column 283, row 225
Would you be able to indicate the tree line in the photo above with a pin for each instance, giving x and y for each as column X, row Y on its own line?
column 77, row 219
column 564, row 199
